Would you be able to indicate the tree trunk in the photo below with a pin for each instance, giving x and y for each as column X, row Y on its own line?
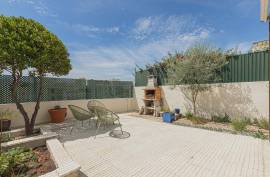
column 34, row 115
column 29, row 123
column 194, row 99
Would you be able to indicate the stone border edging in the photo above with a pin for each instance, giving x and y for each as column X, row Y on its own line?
column 66, row 167
column 30, row 142
column 215, row 129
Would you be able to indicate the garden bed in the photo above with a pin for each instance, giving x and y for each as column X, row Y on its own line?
column 17, row 137
column 251, row 130
column 221, row 124
column 26, row 162
column 44, row 163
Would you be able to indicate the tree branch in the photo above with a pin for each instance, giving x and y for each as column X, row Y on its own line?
column 34, row 115
column 14, row 88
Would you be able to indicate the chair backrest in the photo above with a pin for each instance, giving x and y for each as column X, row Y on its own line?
column 97, row 110
column 103, row 113
column 80, row 113
column 95, row 103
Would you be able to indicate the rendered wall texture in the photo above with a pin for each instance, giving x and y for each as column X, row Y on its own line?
column 118, row 105
column 243, row 99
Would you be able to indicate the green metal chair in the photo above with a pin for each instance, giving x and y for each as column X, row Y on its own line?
column 81, row 114
column 104, row 116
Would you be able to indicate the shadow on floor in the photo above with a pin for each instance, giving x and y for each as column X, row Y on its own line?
column 79, row 132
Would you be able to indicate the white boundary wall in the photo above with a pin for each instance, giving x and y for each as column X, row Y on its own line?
column 118, row 105
column 243, row 99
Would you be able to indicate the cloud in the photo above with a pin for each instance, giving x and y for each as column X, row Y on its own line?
column 88, row 30
column 92, row 30
column 38, row 5
column 153, row 27
column 118, row 61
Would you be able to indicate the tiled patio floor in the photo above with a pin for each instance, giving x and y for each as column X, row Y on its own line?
column 159, row 149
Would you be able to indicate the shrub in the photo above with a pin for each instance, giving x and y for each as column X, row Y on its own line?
column 15, row 161
column 248, row 120
column 255, row 121
column 188, row 114
column 239, row 125
column 222, row 119
column 263, row 123
column 259, row 134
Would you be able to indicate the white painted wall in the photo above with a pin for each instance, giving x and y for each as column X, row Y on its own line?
column 118, row 105
column 245, row 99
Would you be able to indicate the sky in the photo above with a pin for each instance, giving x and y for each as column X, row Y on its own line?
column 106, row 39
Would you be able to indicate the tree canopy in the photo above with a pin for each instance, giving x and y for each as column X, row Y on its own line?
column 26, row 44
column 200, row 65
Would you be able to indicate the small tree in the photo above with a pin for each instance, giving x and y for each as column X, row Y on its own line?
column 201, row 64
column 26, row 45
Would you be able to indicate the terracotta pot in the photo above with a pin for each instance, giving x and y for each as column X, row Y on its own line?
column 58, row 115
column 5, row 124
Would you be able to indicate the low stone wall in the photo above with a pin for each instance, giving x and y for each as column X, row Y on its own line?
column 243, row 99
column 118, row 105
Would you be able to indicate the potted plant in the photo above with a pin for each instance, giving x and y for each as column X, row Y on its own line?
column 58, row 114
column 5, row 119
column 5, row 123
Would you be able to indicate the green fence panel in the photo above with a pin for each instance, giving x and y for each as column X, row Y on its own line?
column 99, row 89
column 248, row 67
column 26, row 89
column 141, row 78
column 64, row 89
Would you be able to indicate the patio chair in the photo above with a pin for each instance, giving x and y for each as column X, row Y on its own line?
column 104, row 116
column 80, row 114
column 95, row 103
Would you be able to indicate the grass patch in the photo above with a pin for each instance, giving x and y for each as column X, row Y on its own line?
column 263, row 123
column 259, row 134
column 239, row 125
column 189, row 115
column 221, row 119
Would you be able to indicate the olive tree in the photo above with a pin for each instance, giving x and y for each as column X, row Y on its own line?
column 28, row 47
column 200, row 65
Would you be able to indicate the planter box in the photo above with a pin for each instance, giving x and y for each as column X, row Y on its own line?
column 30, row 142
column 5, row 125
column 168, row 117
column 66, row 167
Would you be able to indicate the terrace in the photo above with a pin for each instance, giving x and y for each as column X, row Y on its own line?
column 201, row 112
column 158, row 149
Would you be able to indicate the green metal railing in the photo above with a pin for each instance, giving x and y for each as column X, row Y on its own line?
column 64, row 89
column 248, row 67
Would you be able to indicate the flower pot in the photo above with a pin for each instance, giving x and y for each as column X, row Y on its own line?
column 58, row 115
column 5, row 125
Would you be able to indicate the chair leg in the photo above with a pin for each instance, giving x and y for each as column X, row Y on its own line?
column 120, row 126
column 71, row 130
column 97, row 129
